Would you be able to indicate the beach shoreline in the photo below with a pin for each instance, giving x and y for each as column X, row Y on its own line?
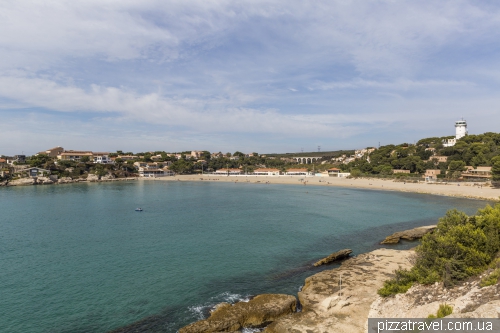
column 469, row 190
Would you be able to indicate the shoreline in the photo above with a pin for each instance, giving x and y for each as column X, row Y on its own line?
column 466, row 190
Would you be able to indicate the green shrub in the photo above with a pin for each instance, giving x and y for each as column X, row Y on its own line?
column 460, row 247
column 443, row 311
column 491, row 279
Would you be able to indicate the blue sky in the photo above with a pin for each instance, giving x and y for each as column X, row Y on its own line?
column 265, row 76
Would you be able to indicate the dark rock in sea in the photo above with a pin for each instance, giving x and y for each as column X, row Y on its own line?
column 258, row 312
column 411, row 234
column 342, row 254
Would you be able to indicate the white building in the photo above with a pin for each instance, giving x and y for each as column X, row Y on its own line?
column 460, row 132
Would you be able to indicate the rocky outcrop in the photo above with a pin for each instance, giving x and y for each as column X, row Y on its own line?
column 92, row 177
column 258, row 312
column 22, row 181
column 44, row 181
column 342, row 254
column 109, row 176
column 65, row 180
column 327, row 305
column 4, row 183
column 467, row 299
column 411, row 234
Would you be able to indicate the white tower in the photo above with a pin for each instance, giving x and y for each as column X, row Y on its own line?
column 460, row 129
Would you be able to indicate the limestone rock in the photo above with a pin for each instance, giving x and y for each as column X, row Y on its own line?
column 327, row 308
column 44, row 181
column 64, row 180
column 108, row 176
column 342, row 254
column 258, row 312
column 92, row 177
column 22, row 181
column 411, row 234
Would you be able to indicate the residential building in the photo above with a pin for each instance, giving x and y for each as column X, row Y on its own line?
column 438, row 159
column 431, row 174
column 479, row 172
column 298, row 172
column 75, row 155
column 102, row 158
column 196, row 154
column 53, row 152
column 36, row 172
column 17, row 158
column 150, row 172
column 266, row 172
column 230, row 172
column 400, row 171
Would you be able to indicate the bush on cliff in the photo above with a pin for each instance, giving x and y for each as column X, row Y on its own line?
column 461, row 246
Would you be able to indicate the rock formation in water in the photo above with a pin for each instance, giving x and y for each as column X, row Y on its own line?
column 258, row 312
column 411, row 234
column 339, row 255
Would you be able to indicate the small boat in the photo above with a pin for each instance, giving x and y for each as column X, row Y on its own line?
column 138, row 209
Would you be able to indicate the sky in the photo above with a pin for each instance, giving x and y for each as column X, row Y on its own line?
column 253, row 76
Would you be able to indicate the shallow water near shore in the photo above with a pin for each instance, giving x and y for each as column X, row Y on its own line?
column 78, row 258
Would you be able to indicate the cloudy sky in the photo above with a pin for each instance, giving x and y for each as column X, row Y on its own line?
column 265, row 76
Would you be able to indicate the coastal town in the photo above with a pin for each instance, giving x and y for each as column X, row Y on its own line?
column 461, row 157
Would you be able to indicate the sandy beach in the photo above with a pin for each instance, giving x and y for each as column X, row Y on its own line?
column 465, row 190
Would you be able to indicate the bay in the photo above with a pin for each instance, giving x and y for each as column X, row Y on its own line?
column 78, row 258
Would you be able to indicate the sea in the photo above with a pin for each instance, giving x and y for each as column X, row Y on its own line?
column 78, row 258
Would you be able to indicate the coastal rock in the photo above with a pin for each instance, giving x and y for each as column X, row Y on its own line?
column 467, row 299
column 325, row 307
column 411, row 234
column 108, row 176
column 64, row 180
column 92, row 177
column 342, row 254
column 4, row 183
column 258, row 312
column 22, row 181
column 44, row 181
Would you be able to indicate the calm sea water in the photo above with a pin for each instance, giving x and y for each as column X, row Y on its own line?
column 78, row 258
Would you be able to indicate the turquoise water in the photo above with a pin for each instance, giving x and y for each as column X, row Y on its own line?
column 78, row 258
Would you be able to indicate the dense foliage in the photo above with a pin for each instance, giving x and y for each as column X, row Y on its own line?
column 461, row 246
column 473, row 150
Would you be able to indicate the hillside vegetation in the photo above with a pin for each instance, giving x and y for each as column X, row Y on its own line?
column 461, row 246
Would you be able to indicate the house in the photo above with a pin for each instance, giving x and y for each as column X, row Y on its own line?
column 217, row 155
column 196, row 154
column 334, row 172
column 234, row 158
column 3, row 162
column 168, row 172
column 36, row 172
column 438, row 159
column 102, row 158
column 298, row 172
column 75, row 155
column 229, row 172
column 150, row 172
column 266, row 172
column 483, row 172
column 431, row 174
column 20, row 159
column 400, row 171
column 52, row 152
